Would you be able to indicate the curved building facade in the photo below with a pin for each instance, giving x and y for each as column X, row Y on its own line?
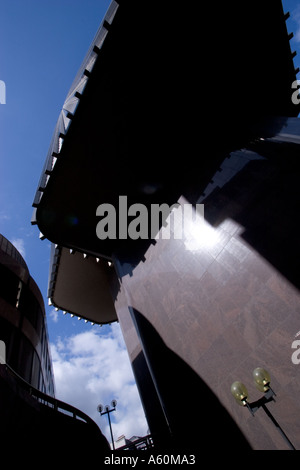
column 23, row 326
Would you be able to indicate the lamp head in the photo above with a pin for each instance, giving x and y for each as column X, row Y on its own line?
column 239, row 393
column 262, row 379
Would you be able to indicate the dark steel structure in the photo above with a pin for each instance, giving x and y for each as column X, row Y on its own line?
column 191, row 105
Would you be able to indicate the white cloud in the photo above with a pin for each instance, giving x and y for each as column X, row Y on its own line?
column 19, row 245
column 4, row 216
column 92, row 368
column 54, row 315
column 295, row 15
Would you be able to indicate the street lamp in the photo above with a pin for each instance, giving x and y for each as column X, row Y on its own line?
column 262, row 381
column 107, row 411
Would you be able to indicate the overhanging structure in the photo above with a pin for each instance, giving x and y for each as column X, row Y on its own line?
column 80, row 284
column 165, row 108
column 153, row 88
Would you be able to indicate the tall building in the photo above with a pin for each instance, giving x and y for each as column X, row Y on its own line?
column 30, row 414
column 23, row 323
column 175, row 106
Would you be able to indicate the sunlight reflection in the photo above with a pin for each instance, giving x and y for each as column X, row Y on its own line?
column 200, row 234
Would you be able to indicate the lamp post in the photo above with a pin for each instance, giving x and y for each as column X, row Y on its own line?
column 107, row 411
column 262, row 381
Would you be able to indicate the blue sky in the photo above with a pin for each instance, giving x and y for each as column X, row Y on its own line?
column 42, row 44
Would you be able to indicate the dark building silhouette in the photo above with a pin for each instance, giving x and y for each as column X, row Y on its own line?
column 23, row 322
column 162, row 110
column 30, row 415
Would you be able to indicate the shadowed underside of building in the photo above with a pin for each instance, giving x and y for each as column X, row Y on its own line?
column 165, row 109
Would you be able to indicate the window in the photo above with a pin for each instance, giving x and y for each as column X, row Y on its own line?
column 8, row 285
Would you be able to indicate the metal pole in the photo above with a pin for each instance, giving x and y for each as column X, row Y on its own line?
column 112, row 439
column 278, row 426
